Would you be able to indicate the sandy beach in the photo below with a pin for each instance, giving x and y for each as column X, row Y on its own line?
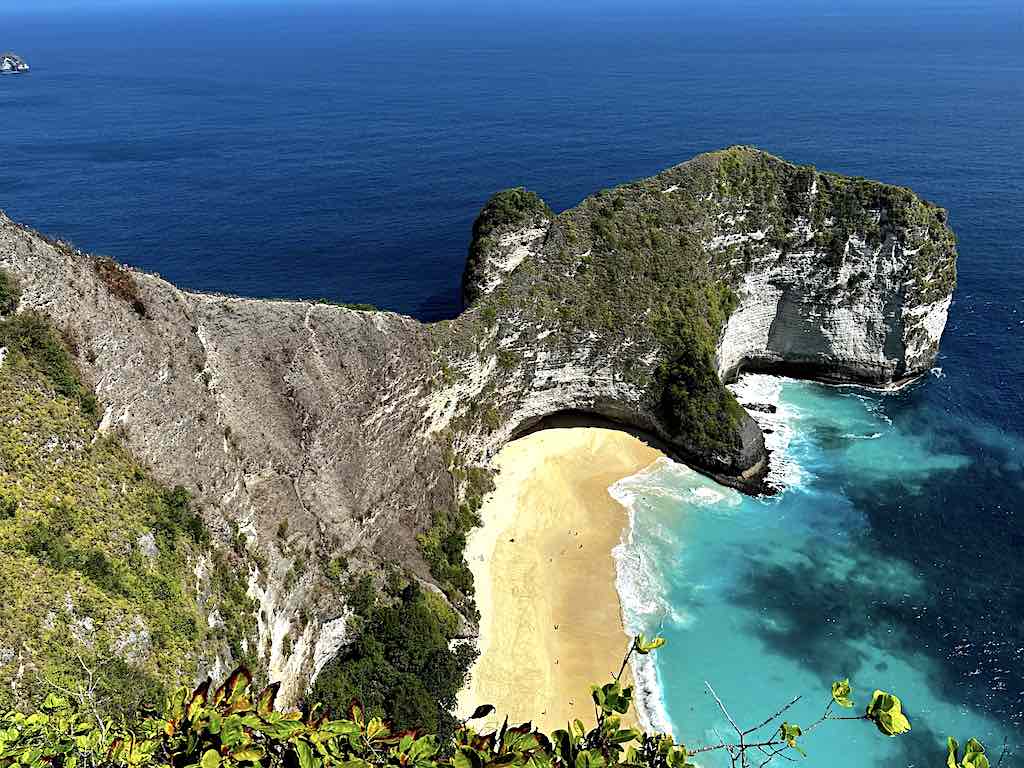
column 545, row 578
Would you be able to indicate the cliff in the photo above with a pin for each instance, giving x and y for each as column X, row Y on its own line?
column 313, row 434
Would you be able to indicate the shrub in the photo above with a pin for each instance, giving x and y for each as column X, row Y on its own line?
column 443, row 544
column 120, row 282
column 172, row 516
column 401, row 666
column 236, row 725
column 31, row 335
column 10, row 293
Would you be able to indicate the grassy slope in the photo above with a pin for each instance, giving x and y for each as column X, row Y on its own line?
column 96, row 558
column 98, row 568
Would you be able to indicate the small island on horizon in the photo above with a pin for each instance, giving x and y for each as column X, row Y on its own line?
column 12, row 63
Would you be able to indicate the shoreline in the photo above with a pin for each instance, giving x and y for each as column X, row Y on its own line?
column 649, row 700
column 546, row 579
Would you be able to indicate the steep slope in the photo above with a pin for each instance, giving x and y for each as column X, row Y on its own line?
column 313, row 435
column 101, row 568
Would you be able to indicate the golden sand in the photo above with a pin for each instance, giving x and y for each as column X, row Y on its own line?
column 545, row 578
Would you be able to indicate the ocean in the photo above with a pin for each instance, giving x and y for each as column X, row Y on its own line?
column 342, row 151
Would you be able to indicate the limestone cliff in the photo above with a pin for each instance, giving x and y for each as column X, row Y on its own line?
column 359, row 428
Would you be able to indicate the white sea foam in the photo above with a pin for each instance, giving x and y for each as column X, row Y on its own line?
column 762, row 389
column 642, row 590
column 873, row 405
column 641, row 594
column 707, row 495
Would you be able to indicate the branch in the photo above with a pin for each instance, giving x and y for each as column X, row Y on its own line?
column 1002, row 754
column 625, row 661
column 725, row 712
column 775, row 716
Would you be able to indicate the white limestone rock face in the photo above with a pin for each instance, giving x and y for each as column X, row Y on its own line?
column 512, row 248
column 864, row 321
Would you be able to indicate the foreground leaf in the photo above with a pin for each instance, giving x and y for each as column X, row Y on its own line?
column 841, row 691
column 886, row 712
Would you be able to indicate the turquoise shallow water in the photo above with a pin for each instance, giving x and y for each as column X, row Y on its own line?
column 769, row 598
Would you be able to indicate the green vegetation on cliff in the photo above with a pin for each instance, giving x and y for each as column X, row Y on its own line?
column 93, row 553
column 444, row 542
column 9, row 293
column 773, row 194
column 97, row 559
column 403, row 666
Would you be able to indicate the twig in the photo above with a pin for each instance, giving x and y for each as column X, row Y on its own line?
column 625, row 661
column 778, row 752
column 725, row 712
column 1002, row 754
column 772, row 717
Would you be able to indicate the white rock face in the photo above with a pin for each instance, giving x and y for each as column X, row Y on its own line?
column 11, row 63
column 333, row 636
column 513, row 248
column 860, row 321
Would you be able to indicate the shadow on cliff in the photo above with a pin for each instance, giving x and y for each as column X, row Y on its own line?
column 570, row 419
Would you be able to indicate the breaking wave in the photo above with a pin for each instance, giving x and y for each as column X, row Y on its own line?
column 761, row 396
column 641, row 584
column 642, row 595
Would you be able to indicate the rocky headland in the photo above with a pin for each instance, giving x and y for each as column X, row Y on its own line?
column 311, row 434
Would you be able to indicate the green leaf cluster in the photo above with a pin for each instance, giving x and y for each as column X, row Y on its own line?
column 886, row 711
column 973, row 756
column 237, row 725
column 789, row 734
column 841, row 693
column 403, row 665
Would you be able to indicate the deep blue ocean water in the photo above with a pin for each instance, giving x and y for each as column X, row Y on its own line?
column 342, row 152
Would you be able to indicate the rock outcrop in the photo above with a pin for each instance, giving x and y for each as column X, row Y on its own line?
column 357, row 428
column 11, row 63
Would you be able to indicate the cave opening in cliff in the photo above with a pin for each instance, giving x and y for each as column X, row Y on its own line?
column 574, row 418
